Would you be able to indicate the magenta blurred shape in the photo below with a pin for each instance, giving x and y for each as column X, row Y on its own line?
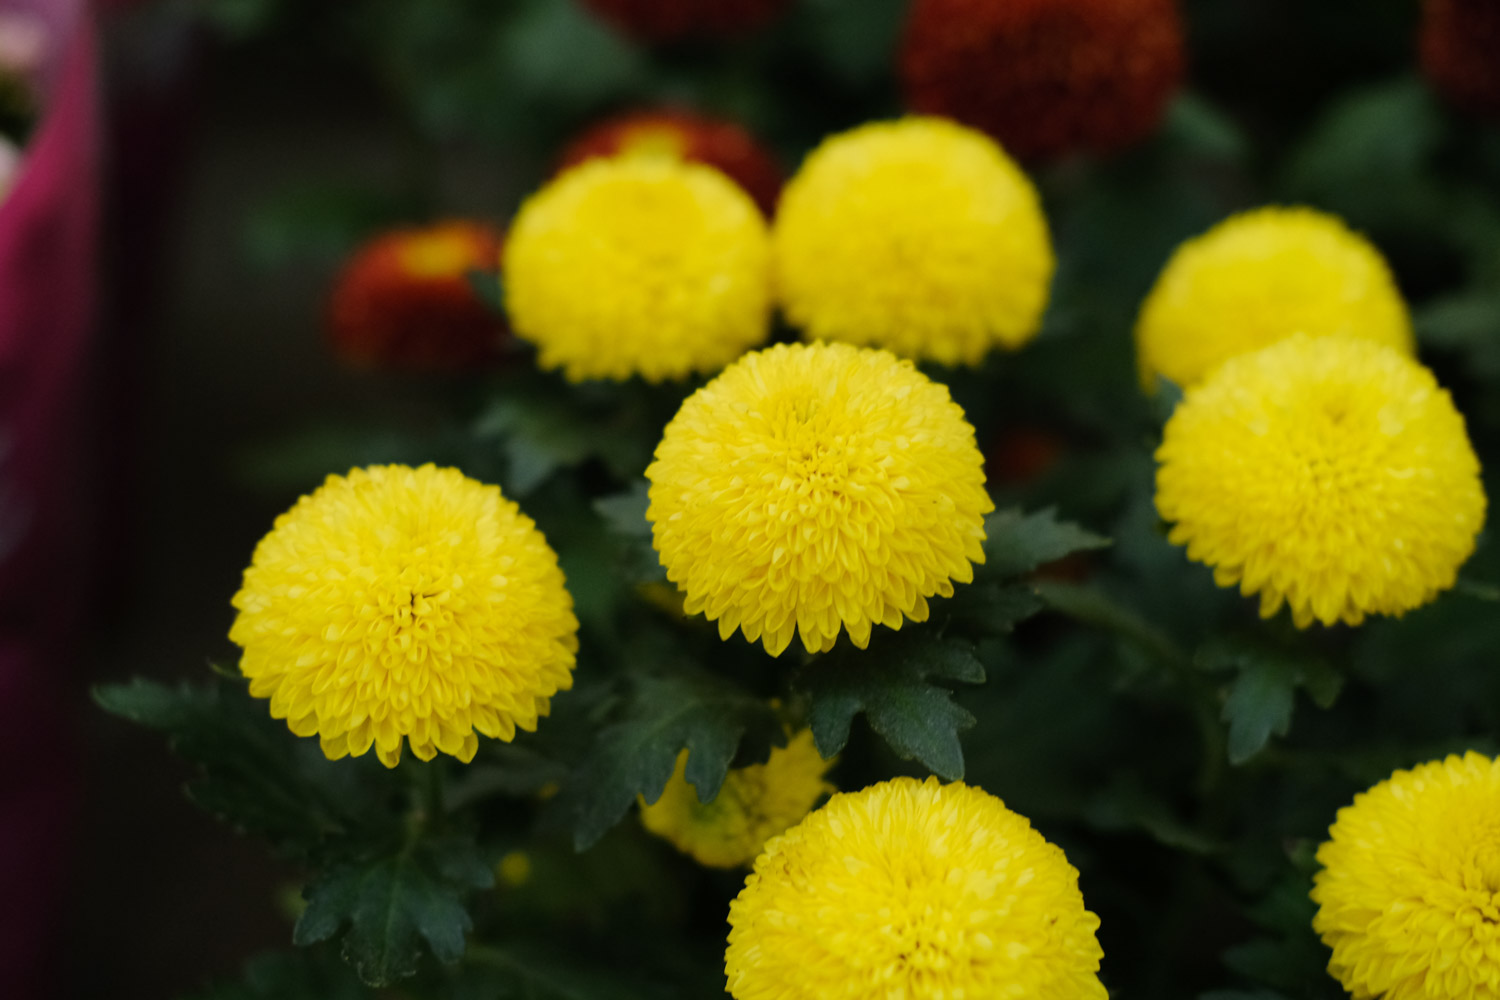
column 48, row 242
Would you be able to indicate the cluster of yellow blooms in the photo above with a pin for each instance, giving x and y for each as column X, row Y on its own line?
column 1312, row 461
column 819, row 488
column 647, row 265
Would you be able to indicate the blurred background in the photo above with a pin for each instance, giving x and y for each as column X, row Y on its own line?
column 246, row 146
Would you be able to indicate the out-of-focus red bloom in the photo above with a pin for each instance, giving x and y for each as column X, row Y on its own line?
column 1460, row 52
column 1022, row 455
column 1045, row 77
column 669, row 20
column 714, row 142
column 403, row 300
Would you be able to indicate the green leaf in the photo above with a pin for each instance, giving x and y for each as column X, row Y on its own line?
column 391, row 905
column 1262, row 696
column 256, row 775
column 1205, row 130
column 625, row 517
column 989, row 608
column 1386, row 130
column 1016, row 543
column 666, row 713
column 542, row 428
column 891, row 683
column 1259, row 705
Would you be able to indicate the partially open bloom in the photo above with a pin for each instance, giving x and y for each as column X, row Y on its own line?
column 912, row 889
column 670, row 20
column 675, row 134
column 1258, row 277
column 398, row 603
column 920, row 236
column 1458, row 46
column 1045, row 77
column 814, row 488
column 647, row 267
column 403, row 300
column 754, row 804
column 1409, row 893
column 1329, row 474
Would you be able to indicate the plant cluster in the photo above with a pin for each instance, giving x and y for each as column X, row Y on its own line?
column 948, row 537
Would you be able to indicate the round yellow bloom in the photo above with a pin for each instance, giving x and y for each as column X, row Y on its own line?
column 753, row 805
column 1409, row 894
column 1257, row 278
column 1331, row 474
column 917, row 235
column 810, row 488
column 639, row 266
column 912, row 890
column 405, row 603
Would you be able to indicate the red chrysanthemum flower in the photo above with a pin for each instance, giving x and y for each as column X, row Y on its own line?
column 683, row 135
column 1460, row 52
column 1045, row 77
column 403, row 300
column 669, row 20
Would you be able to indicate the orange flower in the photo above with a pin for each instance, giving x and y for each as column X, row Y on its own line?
column 403, row 300
column 669, row 20
column 1460, row 52
column 684, row 135
column 1045, row 77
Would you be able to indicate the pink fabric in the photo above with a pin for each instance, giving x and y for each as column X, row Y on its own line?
column 48, row 241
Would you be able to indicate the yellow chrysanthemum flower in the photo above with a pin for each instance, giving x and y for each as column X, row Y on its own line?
column 753, row 805
column 814, row 487
column 639, row 266
column 1259, row 277
column 1333, row 475
column 913, row 890
column 1409, row 893
column 918, row 235
column 405, row 603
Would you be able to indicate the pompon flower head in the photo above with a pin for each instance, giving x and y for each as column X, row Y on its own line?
column 672, row 20
column 753, row 805
column 645, row 267
column 814, row 488
column 914, row 890
column 675, row 134
column 1458, row 45
column 1045, row 77
column 403, row 300
column 1328, row 474
column 1258, row 277
column 1409, row 892
column 398, row 603
column 920, row 236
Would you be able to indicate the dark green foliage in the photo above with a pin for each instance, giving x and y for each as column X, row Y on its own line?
column 1016, row 543
column 392, row 905
column 891, row 684
column 1261, row 696
column 665, row 713
column 255, row 774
